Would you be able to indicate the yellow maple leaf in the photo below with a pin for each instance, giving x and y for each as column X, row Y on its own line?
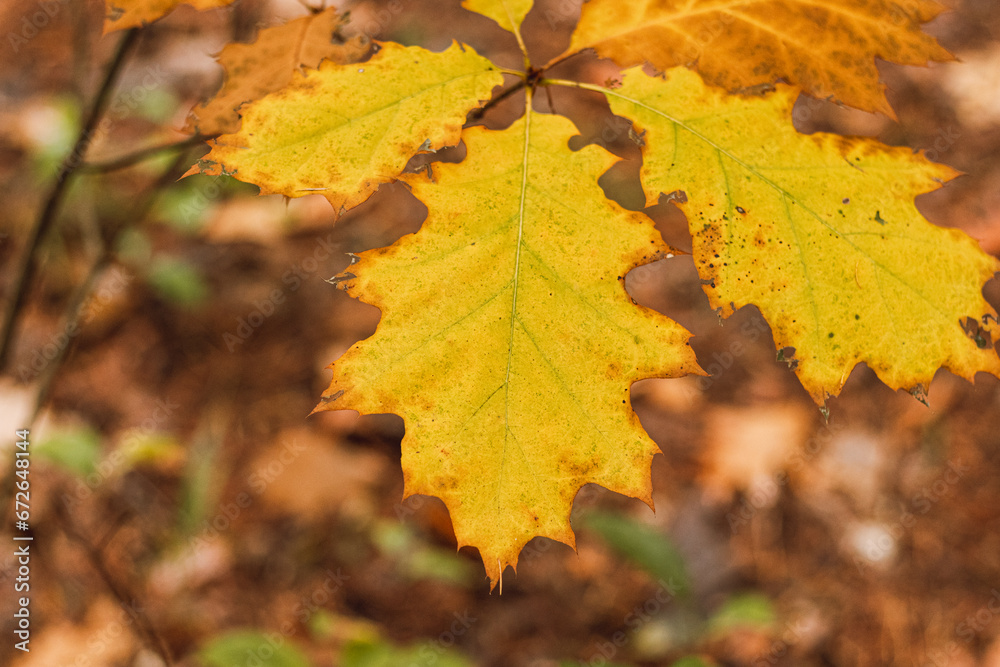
column 122, row 14
column 826, row 47
column 508, row 342
column 342, row 130
column 508, row 13
column 818, row 231
column 267, row 65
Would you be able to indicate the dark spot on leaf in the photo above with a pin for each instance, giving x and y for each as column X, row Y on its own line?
column 878, row 218
column 336, row 280
column 919, row 393
column 973, row 330
column 326, row 400
column 787, row 355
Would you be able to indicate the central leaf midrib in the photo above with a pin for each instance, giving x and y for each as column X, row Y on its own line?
column 517, row 253
column 515, row 280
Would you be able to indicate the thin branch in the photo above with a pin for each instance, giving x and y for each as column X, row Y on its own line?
column 69, row 321
column 143, row 154
column 101, row 262
column 153, row 639
column 520, row 42
column 27, row 266
column 532, row 76
column 569, row 83
column 558, row 61
column 477, row 114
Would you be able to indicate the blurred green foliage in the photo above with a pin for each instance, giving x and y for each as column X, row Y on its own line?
column 247, row 647
column 379, row 653
column 77, row 450
column 417, row 559
column 643, row 545
column 177, row 282
column 746, row 610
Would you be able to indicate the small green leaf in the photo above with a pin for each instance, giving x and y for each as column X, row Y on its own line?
column 746, row 610
column 188, row 204
column 418, row 560
column 690, row 661
column 643, row 545
column 379, row 653
column 178, row 282
column 134, row 247
column 153, row 448
column 250, row 647
column 77, row 450
column 199, row 491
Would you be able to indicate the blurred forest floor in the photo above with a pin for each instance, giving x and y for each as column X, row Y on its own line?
column 183, row 503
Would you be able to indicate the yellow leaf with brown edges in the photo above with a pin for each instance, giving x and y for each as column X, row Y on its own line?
column 825, row 47
column 121, row 14
column 254, row 70
column 508, row 342
column 342, row 130
column 818, row 231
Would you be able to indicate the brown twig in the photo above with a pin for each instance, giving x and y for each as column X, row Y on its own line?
column 27, row 266
column 122, row 592
column 533, row 77
column 477, row 114
column 101, row 262
column 558, row 61
column 143, row 154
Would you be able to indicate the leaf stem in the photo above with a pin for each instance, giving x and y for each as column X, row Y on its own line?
column 477, row 114
column 25, row 272
column 558, row 60
column 573, row 84
column 512, row 72
column 516, row 279
column 520, row 40
column 143, row 154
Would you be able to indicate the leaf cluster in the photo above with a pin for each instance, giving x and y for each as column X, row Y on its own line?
column 513, row 380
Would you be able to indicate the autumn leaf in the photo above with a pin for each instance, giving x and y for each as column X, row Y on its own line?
column 825, row 47
column 122, row 14
column 254, row 70
column 508, row 13
column 508, row 342
column 819, row 231
column 342, row 130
